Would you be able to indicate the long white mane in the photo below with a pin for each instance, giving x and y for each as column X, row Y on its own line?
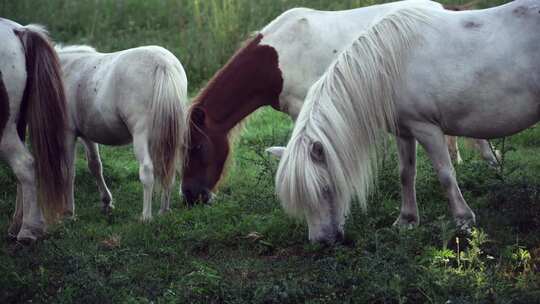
column 346, row 110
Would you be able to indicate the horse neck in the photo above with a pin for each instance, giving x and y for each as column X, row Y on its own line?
column 250, row 80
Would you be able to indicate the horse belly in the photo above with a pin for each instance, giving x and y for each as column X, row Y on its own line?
column 105, row 129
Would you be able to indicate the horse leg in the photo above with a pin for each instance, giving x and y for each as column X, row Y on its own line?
column 432, row 139
column 146, row 172
column 166, row 199
column 453, row 148
column 70, row 159
column 16, row 223
column 484, row 147
column 96, row 168
column 22, row 163
column 408, row 216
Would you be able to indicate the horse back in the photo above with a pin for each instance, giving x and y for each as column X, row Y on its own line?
column 110, row 93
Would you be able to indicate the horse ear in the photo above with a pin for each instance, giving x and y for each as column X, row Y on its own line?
column 317, row 152
column 197, row 116
column 276, row 151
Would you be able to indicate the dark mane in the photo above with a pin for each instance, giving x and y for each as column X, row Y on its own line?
column 210, row 86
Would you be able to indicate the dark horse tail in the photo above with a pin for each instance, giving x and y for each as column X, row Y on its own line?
column 44, row 108
column 4, row 106
column 461, row 7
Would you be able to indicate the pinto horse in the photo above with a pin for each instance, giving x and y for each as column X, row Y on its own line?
column 137, row 95
column 275, row 68
column 32, row 93
column 419, row 74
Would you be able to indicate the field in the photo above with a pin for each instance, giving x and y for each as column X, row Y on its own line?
column 243, row 248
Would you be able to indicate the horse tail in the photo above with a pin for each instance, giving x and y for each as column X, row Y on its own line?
column 168, row 124
column 462, row 7
column 4, row 106
column 44, row 107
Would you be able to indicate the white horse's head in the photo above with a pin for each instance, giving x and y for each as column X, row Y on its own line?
column 309, row 188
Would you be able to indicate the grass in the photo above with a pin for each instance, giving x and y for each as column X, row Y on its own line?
column 243, row 248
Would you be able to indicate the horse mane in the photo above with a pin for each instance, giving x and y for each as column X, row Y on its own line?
column 251, row 40
column 346, row 110
column 74, row 48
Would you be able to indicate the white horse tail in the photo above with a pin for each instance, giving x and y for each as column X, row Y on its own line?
column 168, row 125
column 4, row 106
column 44, row 107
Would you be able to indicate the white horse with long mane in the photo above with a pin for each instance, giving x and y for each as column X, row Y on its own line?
column 419, row 74
column 137, row 95
column 31, row 93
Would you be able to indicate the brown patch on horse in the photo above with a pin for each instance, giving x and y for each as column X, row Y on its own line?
column 46, row 110
column 251, row 76
column 250, row 79
column 462, row 7
column 4, row 106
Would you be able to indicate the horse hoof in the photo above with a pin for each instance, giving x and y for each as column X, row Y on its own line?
column 466, row 224
column 107, row 209
column 145, row 218
column 29, row 235
column 13, row 230
column 164, row 211
column 406, row 222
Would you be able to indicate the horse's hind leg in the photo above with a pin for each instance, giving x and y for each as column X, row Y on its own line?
column 96, row 168
column 487, row 153
column 453, row 149
column 166, row 199
column 22, row 163
column 432, row 139
column 16, row 223
column 70, row 159
column 146, row 172
column 408, row 216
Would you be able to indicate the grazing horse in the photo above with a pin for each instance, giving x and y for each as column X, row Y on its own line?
column 137, row 95
column 419, row 74
column 275, row 68
column 32, row 93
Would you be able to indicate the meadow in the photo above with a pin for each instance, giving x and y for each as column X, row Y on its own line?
column 243, row 248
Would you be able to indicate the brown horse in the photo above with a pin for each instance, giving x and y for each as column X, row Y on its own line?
column 249, row 80
column 275, row 68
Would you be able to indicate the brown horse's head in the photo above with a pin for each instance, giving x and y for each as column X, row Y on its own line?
column 249, row 80
column 206, row 157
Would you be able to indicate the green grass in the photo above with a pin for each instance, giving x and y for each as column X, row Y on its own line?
column 243, row 248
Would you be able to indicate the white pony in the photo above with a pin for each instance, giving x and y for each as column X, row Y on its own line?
column 31, row 91
column 137, row 95
column 419, row 74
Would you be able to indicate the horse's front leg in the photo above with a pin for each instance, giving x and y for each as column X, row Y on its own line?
column 146, row 172
column 408, row 216
column 96, row 168
column 433, row 140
